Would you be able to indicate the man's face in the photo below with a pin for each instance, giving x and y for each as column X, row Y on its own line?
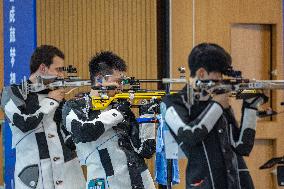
column 116, row 77
column 202, row 74
column 56, row 68
column 113, row 80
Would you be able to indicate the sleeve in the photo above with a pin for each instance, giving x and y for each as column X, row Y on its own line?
column 143, row 137
column 85, row 130
column 191, row 132
column 66, row 136
column 25, row 116
column 242, row 138
column 68, row 141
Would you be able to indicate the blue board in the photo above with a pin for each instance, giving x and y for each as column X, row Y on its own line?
column 19, row 42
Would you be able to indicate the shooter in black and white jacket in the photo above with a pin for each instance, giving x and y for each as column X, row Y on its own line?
column 45, row 153
column 207, row 131
column 110, row 142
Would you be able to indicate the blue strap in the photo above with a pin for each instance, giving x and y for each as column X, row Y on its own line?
column 161, row 161
column 146, row 120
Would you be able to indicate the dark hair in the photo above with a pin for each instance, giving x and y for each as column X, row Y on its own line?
column 104, row 62
column 209, row 56
column 44, row 55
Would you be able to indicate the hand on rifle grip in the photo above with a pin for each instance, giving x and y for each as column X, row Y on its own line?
column 57, row 94
column 222, row 99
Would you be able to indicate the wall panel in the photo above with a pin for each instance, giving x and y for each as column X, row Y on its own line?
column 251, row 52
column 81, row 28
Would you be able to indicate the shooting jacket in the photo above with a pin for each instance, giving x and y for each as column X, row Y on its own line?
column 212, row 141
column 43, row 157
column 114, row 157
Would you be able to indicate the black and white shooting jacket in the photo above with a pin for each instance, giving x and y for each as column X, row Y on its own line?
column 212, row 141
column 114, row 157
column 43, row 157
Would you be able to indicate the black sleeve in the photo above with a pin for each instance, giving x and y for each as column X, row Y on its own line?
column 242, row 139
column 143, row 138
column 85, row 129
column 190, row 132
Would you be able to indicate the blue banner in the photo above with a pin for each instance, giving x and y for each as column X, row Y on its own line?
column 19, row 43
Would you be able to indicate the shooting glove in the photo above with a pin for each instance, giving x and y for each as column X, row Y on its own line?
column 255, row 102
column 129, row 117
column 123, row 126
column 124, row 108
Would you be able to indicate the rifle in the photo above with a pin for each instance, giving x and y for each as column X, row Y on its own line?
column 136, row 98
column 52, row 82
column 238, row 87
column 43, row 83
column 132, row 92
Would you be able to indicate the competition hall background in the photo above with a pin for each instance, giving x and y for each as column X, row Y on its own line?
column 251, row 30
